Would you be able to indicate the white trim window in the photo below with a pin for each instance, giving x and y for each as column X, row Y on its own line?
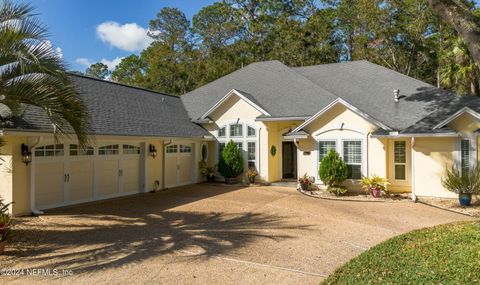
column 465, row 165
column 50, row 150
column 236, row 130
column 244, row 136
column 222, row 132
column 400, row 160
column 75, row 150
column 112, row 149
column 251, row 154
column 324, row 147
column 352, row 155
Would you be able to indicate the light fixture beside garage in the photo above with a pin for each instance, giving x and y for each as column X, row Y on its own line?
column 153, row 151
column 26, row 154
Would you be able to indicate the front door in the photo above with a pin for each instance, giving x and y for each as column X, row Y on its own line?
column 289, row 160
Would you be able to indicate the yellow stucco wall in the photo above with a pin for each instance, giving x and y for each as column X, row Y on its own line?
column 236, row 108
column 431, row 156
column 337, row 124
column 18, row 178
column 155, row 166
column 275, row 138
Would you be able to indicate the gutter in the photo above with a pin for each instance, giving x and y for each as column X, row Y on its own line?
column 419, row 135
column 412, row 162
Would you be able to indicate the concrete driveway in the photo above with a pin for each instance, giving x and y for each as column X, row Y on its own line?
column 206, row 235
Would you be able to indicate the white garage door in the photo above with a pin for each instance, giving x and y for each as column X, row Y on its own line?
column 66, row 175
column 178, row 165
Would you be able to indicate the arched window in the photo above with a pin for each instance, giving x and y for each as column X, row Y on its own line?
column 50, row 150
column 245, row 136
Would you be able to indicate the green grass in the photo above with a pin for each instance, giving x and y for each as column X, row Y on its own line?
column 446, row 254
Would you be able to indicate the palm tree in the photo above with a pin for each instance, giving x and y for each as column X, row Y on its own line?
column 459, row 71
column 33, row 73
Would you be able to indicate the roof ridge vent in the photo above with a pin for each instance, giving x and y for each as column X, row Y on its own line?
column 396, row 95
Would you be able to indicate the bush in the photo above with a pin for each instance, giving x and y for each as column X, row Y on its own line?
column 333, row 170
column 337, row 190
column 5, row 227
column 465, row 183
column 231, row 161
column 4, row 207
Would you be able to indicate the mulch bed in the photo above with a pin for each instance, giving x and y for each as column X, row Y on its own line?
column 322, row 194
column 454, row 205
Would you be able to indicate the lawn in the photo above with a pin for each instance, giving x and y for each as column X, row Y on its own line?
column 446, row 254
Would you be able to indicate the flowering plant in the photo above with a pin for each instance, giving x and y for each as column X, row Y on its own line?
column 305, row 180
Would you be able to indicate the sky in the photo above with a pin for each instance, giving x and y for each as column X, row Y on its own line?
column 89, row 31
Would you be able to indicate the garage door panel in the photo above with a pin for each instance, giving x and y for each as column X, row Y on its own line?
column 49, row 184
column 80, row 186
column 131, row 176
column 184, row 170
column 107, row 177
column 171, row 171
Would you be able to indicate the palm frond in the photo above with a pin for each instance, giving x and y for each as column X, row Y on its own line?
column 32, row 73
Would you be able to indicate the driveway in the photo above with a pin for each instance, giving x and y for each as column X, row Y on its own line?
column 206, row 234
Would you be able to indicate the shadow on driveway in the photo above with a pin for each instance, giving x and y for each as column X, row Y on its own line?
column 126, row 231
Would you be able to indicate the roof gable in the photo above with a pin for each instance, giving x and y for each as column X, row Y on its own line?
column 242, row 95
column 348, row 106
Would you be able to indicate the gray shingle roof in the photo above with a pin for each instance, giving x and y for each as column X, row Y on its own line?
column 275, row 87
column 369, row 87
column 118, row 109
column 303, row 91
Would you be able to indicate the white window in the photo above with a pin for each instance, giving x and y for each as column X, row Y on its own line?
column 244, row 136
column 50, row 150
column 251, row 132
column 324, row 147
column 131, row 149
column 251, row 153
column 400, row 159
column 236, row 130
column 221, row 147
column 76, row 151
column 185, row 149
column 352, row 154
column 222, row 132
column 172, row 148
column 465, row 156
column 109, row 150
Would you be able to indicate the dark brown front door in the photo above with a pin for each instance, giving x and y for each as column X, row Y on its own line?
column 289, row 160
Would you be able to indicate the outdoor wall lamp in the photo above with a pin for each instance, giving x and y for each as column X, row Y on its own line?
column 153, row 151
column 26, row 154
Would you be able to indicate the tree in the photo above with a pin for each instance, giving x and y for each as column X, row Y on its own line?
column 333, row 170
column 32, row 73
column 231, row 161
column 130, row 71
column 460, row 15
column 98, row 70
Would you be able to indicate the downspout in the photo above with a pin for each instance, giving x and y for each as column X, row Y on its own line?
column 164, row 164
column 412, row 163
column 33, row 209
column 259, row 156
column 368, row 158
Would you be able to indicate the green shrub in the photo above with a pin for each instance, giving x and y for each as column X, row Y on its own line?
column 5, row 227
column 465, row 183
column 333, row 170
column 4, row 207
column 337, row 190
column 231, row 161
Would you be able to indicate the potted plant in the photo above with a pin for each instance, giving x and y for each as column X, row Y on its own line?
column 5, row 230
column 231, row 163
column 251, row 174
column 464, row 184
column 375, row 185
column 305, row 182
column 207, row 171
column 333, row 171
